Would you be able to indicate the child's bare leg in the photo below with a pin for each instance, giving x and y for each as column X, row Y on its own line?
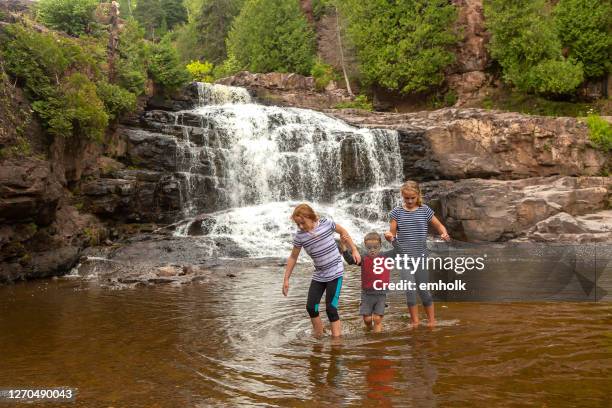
column 414, row 314
column 367, row 320
column 377, row 323
column 317, row 326
column 336, row 328
column 431, row 319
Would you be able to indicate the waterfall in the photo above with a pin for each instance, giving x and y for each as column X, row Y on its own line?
column 247, row 165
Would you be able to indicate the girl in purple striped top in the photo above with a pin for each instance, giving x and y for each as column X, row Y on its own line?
column 316, row 236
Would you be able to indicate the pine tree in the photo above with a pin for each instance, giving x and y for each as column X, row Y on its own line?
column 271, row 35
column 213, row 23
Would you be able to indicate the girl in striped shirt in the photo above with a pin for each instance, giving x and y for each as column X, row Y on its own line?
column 316, row 236
column 409, row 225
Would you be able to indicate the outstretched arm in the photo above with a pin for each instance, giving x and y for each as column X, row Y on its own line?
column 346, row 254
column 344, row 235
column 392, row 233
column 440, row 228
column 291, row 261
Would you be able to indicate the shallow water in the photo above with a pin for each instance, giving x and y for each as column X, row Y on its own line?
column 238, row 341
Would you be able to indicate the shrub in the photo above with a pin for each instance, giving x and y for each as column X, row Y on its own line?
column 70, row 16
column 76, row 112
column 526, row 45
column 131, row 66
column 116, row 99
column 229, row 67
column 323, row 74
column 555, row 77
column 360, row 102
column 200, row 71
column 600, row 132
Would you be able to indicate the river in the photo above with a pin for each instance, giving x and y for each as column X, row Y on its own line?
column 238, row 342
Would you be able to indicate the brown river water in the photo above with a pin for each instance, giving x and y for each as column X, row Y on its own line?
column 236, row 341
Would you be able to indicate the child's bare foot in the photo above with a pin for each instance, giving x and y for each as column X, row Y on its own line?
column 367, row 320
column 431, row 323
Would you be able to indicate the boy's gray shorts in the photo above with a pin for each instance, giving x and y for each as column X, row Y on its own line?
column 373, row 303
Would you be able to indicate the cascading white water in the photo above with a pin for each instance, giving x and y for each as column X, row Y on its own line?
column 260, row 161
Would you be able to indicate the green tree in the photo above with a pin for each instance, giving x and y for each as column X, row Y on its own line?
column 165, row 67
column 149, row 14
column 272, row 35
column 585, row 30
column 159, row 16
column 526, row 46
column 402, row 45
column 132, row 63
column 70, row 16
column 212, row 24
column 175, row 12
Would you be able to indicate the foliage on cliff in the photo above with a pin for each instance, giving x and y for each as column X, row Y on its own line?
column 529, row 41
column 68, row 79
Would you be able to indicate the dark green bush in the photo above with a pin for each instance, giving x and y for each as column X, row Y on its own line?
column 585, row 29
column 70, row 16
column 131, row 66
column 116, row 99
column 526, row 45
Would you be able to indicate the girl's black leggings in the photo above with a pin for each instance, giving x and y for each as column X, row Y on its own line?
column 332, row 297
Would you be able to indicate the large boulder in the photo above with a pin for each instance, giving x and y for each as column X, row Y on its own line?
column 538, row 208
column 287, row 89
column 464, row 143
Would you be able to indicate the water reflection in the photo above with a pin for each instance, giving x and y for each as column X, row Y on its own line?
column 240, row 342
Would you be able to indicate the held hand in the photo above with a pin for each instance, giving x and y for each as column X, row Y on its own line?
column 445, row 236
column 356, row 256
column 285, row 288
column 389, row 236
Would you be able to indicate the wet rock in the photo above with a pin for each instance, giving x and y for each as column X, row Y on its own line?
column 28, row 190
column 166, row 271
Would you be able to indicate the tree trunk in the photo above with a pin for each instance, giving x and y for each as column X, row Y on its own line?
column 348, row 84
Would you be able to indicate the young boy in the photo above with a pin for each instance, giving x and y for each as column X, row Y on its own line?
column 373, row 276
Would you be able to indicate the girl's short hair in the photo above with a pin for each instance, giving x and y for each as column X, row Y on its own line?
column 304, row 211
column 413, row 186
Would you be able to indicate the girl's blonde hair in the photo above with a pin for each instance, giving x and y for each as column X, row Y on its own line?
column 304, row 211
column 413, row 186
